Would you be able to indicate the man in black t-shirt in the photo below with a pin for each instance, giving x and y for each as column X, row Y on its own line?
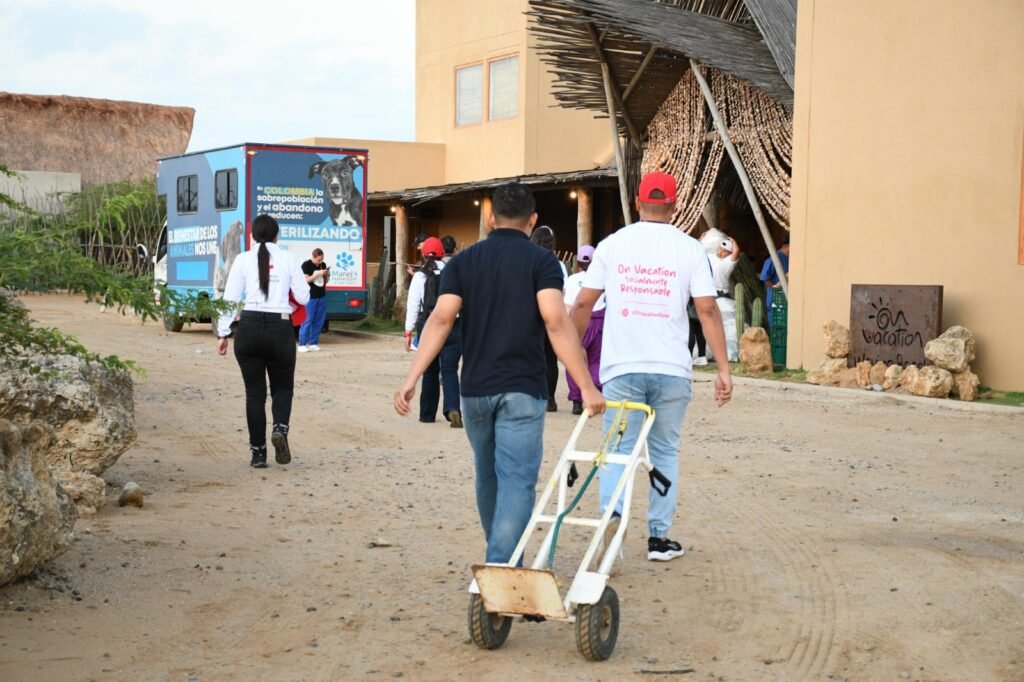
column 317, row 274
column 509, row 293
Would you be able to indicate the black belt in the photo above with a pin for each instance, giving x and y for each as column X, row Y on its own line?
column 259, row 315
column 722, row 294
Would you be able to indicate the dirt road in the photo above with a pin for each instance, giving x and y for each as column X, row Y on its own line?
column 831, row 534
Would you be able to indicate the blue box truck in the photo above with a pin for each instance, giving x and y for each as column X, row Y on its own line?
column 317, row 195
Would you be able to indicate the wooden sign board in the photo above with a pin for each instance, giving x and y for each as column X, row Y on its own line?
column 892, row 323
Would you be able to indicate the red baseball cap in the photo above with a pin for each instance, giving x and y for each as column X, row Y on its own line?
column 663, row 182
column 432, row 246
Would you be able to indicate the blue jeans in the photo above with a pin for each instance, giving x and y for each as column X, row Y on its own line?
column 316, row 313
column 506, row 432
column 669, row 396
column 443, row 371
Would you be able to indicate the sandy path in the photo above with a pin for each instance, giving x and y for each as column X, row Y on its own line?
column 832, row 535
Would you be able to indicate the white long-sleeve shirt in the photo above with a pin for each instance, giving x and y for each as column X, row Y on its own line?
column 244, row 284
column 414, row 302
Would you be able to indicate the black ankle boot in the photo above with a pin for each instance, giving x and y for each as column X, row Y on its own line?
column 282, row 453
column 259, row 456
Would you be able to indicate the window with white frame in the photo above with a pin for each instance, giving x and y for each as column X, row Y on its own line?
column 469, row 95
column 503, row 93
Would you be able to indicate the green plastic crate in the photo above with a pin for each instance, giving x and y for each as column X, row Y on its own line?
column 780, row 323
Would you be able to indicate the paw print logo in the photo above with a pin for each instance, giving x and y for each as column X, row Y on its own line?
column 345, row 261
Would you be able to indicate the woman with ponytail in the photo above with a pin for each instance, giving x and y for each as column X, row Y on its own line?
column 264, row 344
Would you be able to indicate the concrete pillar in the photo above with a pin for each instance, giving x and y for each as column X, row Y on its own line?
column 401, row 254
column 584, row 217
column 485, row 215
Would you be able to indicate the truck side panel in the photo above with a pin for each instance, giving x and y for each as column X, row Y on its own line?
column 318, row 198
column 206, row 222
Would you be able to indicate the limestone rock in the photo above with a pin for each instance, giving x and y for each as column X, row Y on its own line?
column 756, row 350
column 837, row 340
column 877, row 374
column 131, row 494
column 827, row 373
column 892, row 377
column 966, row 385
column 863, row 374
column 908, row 376
column 953, row 350
column 849, row 378
column 36, row 515
column 85, row 489
column 932, row 382
column 89, row 407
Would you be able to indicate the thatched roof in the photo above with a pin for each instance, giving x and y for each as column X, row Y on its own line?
column 647, row 45
column 589, row 178
column 103, row 140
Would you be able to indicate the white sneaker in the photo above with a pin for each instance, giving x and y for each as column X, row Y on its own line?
column 303, row 349
column 700, row 361
column 315, row 348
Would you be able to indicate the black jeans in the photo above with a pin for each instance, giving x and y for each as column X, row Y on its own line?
column 265, row 347
column 551, row 367
column 444, row 370
column 697, row 338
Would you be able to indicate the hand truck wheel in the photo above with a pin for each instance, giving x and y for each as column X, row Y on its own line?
column 597, row 626
column 488, row 630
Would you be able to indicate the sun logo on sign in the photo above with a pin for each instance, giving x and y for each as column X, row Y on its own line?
column 625, row 312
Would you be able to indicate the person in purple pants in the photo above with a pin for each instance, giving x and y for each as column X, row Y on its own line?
column 595, row 328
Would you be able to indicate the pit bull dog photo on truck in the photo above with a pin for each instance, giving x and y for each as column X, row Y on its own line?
column 346, row 203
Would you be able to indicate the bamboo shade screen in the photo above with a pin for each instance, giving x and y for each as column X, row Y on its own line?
column 678, row 144
column 763, row 134
column 760, row 128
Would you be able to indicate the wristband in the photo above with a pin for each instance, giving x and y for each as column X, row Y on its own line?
column 408, row 335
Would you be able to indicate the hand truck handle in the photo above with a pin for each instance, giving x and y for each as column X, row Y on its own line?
column 629, row 405
column 658, row 477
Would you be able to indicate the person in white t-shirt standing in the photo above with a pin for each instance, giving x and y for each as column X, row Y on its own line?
column 594, row 332
column 648, row 272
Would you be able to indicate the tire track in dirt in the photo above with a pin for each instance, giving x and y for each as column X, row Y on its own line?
column 808, row 648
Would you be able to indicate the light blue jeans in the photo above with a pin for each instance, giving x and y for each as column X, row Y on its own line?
column 506, row 432
column 669, row 396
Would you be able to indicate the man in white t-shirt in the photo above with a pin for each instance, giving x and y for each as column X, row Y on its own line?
column 648, row 272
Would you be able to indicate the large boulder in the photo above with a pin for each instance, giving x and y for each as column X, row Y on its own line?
column 36, row 515
column 966, row 385
column 837, row 340
column 86, row 490
column 89, row 406
column 953, row 350
column 932, row 382
column 756, row 350
column 827, row 373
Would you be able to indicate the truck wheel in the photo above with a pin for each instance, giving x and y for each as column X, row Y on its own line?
column 488, row 630
column 597, row 626
column 173, row 323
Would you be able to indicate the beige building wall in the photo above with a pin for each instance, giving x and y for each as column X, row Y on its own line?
column 456, row 33
column 393, row 165
column 908, row 139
